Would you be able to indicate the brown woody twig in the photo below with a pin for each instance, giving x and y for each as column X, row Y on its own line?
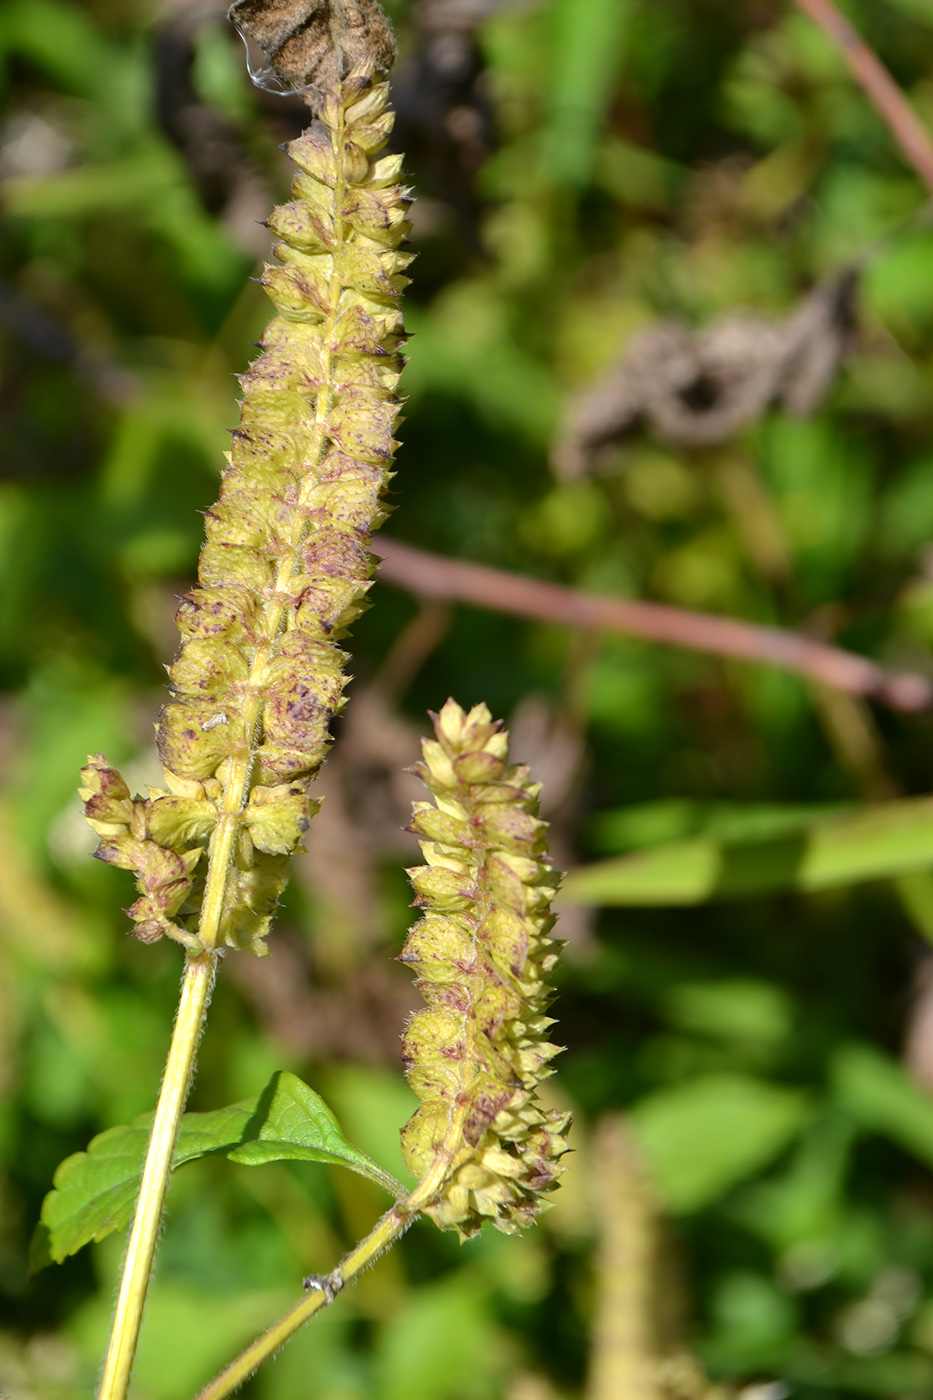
column 434, row 576
column 878, row 85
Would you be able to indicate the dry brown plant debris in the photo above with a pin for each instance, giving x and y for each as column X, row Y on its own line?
column 699, row 387
column 314, row 43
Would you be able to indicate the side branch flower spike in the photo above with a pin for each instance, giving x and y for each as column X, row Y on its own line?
column 285, row 568
column 477, row 1054
column 482, row 1145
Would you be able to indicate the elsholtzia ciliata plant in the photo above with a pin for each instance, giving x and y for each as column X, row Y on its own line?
column 258, row 678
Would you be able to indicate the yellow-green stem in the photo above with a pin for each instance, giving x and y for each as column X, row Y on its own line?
column 393, row 1224
column 387, row 1230
column 192, row 1008
column 196, row 988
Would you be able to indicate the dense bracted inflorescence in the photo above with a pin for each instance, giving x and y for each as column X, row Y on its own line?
column 482, row 953
column 285, row 568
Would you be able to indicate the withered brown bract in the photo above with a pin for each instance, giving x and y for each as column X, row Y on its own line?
column 315, row 43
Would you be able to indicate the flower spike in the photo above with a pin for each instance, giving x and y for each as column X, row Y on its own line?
column 285, row 569
column 482, row 953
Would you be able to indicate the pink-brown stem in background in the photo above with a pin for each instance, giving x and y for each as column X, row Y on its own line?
column 878, row 85
column 454, row 580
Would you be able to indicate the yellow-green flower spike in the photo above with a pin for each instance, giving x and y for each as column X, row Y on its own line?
column 476, row 1055
column 285, row 568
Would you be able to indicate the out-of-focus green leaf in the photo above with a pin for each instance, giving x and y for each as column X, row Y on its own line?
column 738, row 1009
column 753, row 1321
column 95, row 1190
column 588, row 45
column 570, row 520
column 822, row 486
column 189, row 1333
column 877, row 1093
column 908, row 510
column 438, row 1346
column 671, row 818
column 704, row 1137
column 874, row 844
column 897, row 286
column 802, row 1206
column 915, row 891
column 218, row 72
column 60, row 38
column 897, row 1373
column 71, row 708
column 130, row 183
column 917, row 9
column 465, row 349
column 636, row 176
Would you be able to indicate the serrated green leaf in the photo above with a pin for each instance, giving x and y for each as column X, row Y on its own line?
column 297, row 1125
column 878, row 843
column 95, row 1191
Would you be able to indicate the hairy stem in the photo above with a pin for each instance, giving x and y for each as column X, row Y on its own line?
column 192, row 1007
column 387, row 1230
column 196, row 987
column 393, row 1224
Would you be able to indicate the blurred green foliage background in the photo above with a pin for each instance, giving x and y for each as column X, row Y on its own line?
column 583, row 167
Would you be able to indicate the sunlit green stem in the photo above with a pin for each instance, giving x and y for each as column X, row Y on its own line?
column 390, row 1228
column 192, row 1008
column 393, row 1224
column 196, row 988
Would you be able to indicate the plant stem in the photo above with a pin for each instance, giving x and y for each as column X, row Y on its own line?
column 393, row 1224
column 192, row 1007
column 878, row 85
column 197, row 985
column 387, row 1230
column 434, row 576
column 236, row 774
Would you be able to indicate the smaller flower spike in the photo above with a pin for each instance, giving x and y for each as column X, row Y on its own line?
column 476, row 1055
